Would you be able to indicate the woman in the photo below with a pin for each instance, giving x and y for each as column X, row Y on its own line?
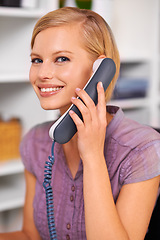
column 106, row 178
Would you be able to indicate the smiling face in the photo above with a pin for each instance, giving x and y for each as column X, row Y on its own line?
column 60, row 64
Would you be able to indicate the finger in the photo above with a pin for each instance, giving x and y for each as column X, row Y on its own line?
column 85, row 112
column 78, row 122
column 87, row 101
column 101, row 106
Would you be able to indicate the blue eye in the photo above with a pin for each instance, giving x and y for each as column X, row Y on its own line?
column 62, row 59
column 36, row 60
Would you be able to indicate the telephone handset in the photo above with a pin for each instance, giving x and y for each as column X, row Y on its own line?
column 64, row 128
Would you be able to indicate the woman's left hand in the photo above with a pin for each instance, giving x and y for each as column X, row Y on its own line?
column 91, row 131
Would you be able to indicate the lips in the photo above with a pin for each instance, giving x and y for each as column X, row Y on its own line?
column 46, row 91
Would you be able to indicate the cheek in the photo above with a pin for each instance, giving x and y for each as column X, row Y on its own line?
column 85, row 75
column 65, row 71
column 32, row 75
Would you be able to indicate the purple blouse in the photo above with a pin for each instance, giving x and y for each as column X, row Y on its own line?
column 132, row 153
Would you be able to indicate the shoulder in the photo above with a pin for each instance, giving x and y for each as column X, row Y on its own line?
column 133, row 148
column 39, row 132
column 129, row 133
column 135, row 135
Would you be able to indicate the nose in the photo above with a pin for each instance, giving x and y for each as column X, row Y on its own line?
column 46, row 71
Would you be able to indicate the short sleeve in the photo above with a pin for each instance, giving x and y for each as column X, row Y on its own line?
column 141, row 164
column 35, row 148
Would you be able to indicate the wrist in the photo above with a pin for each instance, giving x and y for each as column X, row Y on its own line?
column 94, row 161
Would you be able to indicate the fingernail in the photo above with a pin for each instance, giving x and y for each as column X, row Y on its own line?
column 78, row 89
column 101, row 84
column 71, row 112
column 73, row 98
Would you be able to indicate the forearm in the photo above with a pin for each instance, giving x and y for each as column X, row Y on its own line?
column 14, row 236
column 101, row 217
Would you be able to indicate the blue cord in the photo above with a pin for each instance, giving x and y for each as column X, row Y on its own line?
column 49, row 194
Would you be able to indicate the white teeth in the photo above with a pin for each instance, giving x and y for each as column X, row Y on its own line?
column 50, row 89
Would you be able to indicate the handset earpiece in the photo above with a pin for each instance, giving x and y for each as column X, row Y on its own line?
column 64, row 128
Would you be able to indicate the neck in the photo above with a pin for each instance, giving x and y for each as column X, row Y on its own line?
column 72, row 155
column 109, row 117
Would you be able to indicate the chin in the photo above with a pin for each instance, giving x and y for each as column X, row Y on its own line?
column 48, row 107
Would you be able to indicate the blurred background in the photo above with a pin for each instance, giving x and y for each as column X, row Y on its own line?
column 136, row 27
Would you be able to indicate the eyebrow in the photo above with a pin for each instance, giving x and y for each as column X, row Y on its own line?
column 62, row 51
column 35, row 54
column 55, row 53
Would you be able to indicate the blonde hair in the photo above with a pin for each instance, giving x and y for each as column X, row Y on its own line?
column 96, row 34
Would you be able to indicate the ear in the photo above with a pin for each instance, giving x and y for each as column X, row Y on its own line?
column 102, row 56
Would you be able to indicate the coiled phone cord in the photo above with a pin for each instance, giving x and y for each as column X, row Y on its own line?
column 49, row 194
